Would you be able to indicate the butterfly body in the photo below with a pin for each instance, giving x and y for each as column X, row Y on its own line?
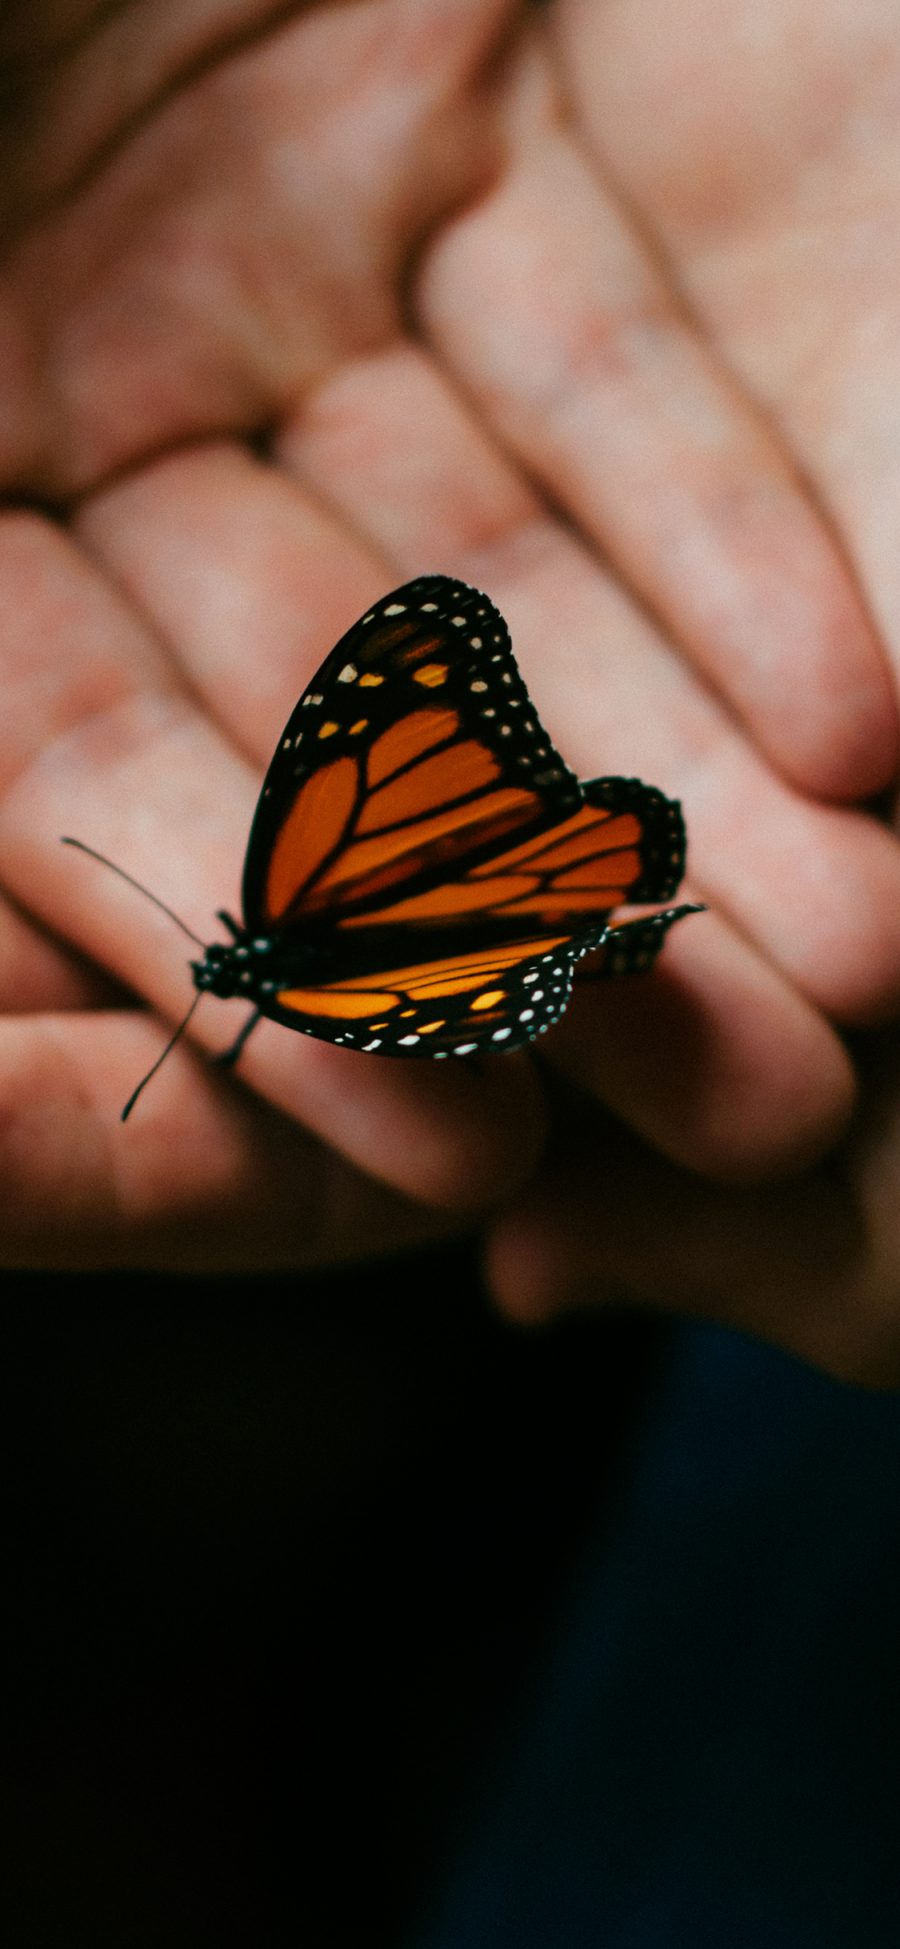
column 424, row 871
column 257, row 967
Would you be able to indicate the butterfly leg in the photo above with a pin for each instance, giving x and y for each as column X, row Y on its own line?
column 234, row 930
column 229, row 1056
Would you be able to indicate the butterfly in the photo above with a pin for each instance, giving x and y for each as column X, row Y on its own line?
column 423, row 870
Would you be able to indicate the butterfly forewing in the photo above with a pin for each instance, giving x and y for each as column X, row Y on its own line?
column 416, row 750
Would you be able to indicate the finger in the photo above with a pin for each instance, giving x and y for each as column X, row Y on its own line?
column 97, row 738
column 816, row 888
column 208, row 1180
column 550, row 310
column 246, row 578
column 610, row 1223
column 712, row 1058
column 246, row 191
column 37, row 973
column 777, row 221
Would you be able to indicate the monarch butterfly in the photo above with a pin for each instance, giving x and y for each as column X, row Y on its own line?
column 423, row 870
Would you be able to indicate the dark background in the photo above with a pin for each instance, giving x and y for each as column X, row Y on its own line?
column 279, row 1559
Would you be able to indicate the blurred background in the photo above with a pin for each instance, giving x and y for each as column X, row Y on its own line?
column 342, row 1613
column 280, row 1558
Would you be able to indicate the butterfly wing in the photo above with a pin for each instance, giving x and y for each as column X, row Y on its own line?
column 417, row 819
column 624, row 844
column 500, row 996
column 453, row 1003
column 416, row 748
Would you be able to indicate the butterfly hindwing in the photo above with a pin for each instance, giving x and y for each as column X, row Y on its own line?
column 501, row 996
column 455, row 1004
column 661, row 838
column 623, row 844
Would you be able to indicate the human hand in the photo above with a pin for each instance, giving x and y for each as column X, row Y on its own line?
column 752, row 148
column 811, row 1264
column 183, row 259
column 197, row 283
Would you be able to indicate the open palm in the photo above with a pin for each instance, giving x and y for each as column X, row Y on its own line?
column 292, row 308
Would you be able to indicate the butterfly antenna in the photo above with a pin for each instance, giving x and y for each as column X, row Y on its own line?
column 159, row 1060
column 137, row 884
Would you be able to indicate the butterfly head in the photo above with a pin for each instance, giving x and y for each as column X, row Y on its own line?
column 255, row 967
column 241, row 967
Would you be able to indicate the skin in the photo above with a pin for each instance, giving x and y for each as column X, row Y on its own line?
column 299, row 302
column 756, row 146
